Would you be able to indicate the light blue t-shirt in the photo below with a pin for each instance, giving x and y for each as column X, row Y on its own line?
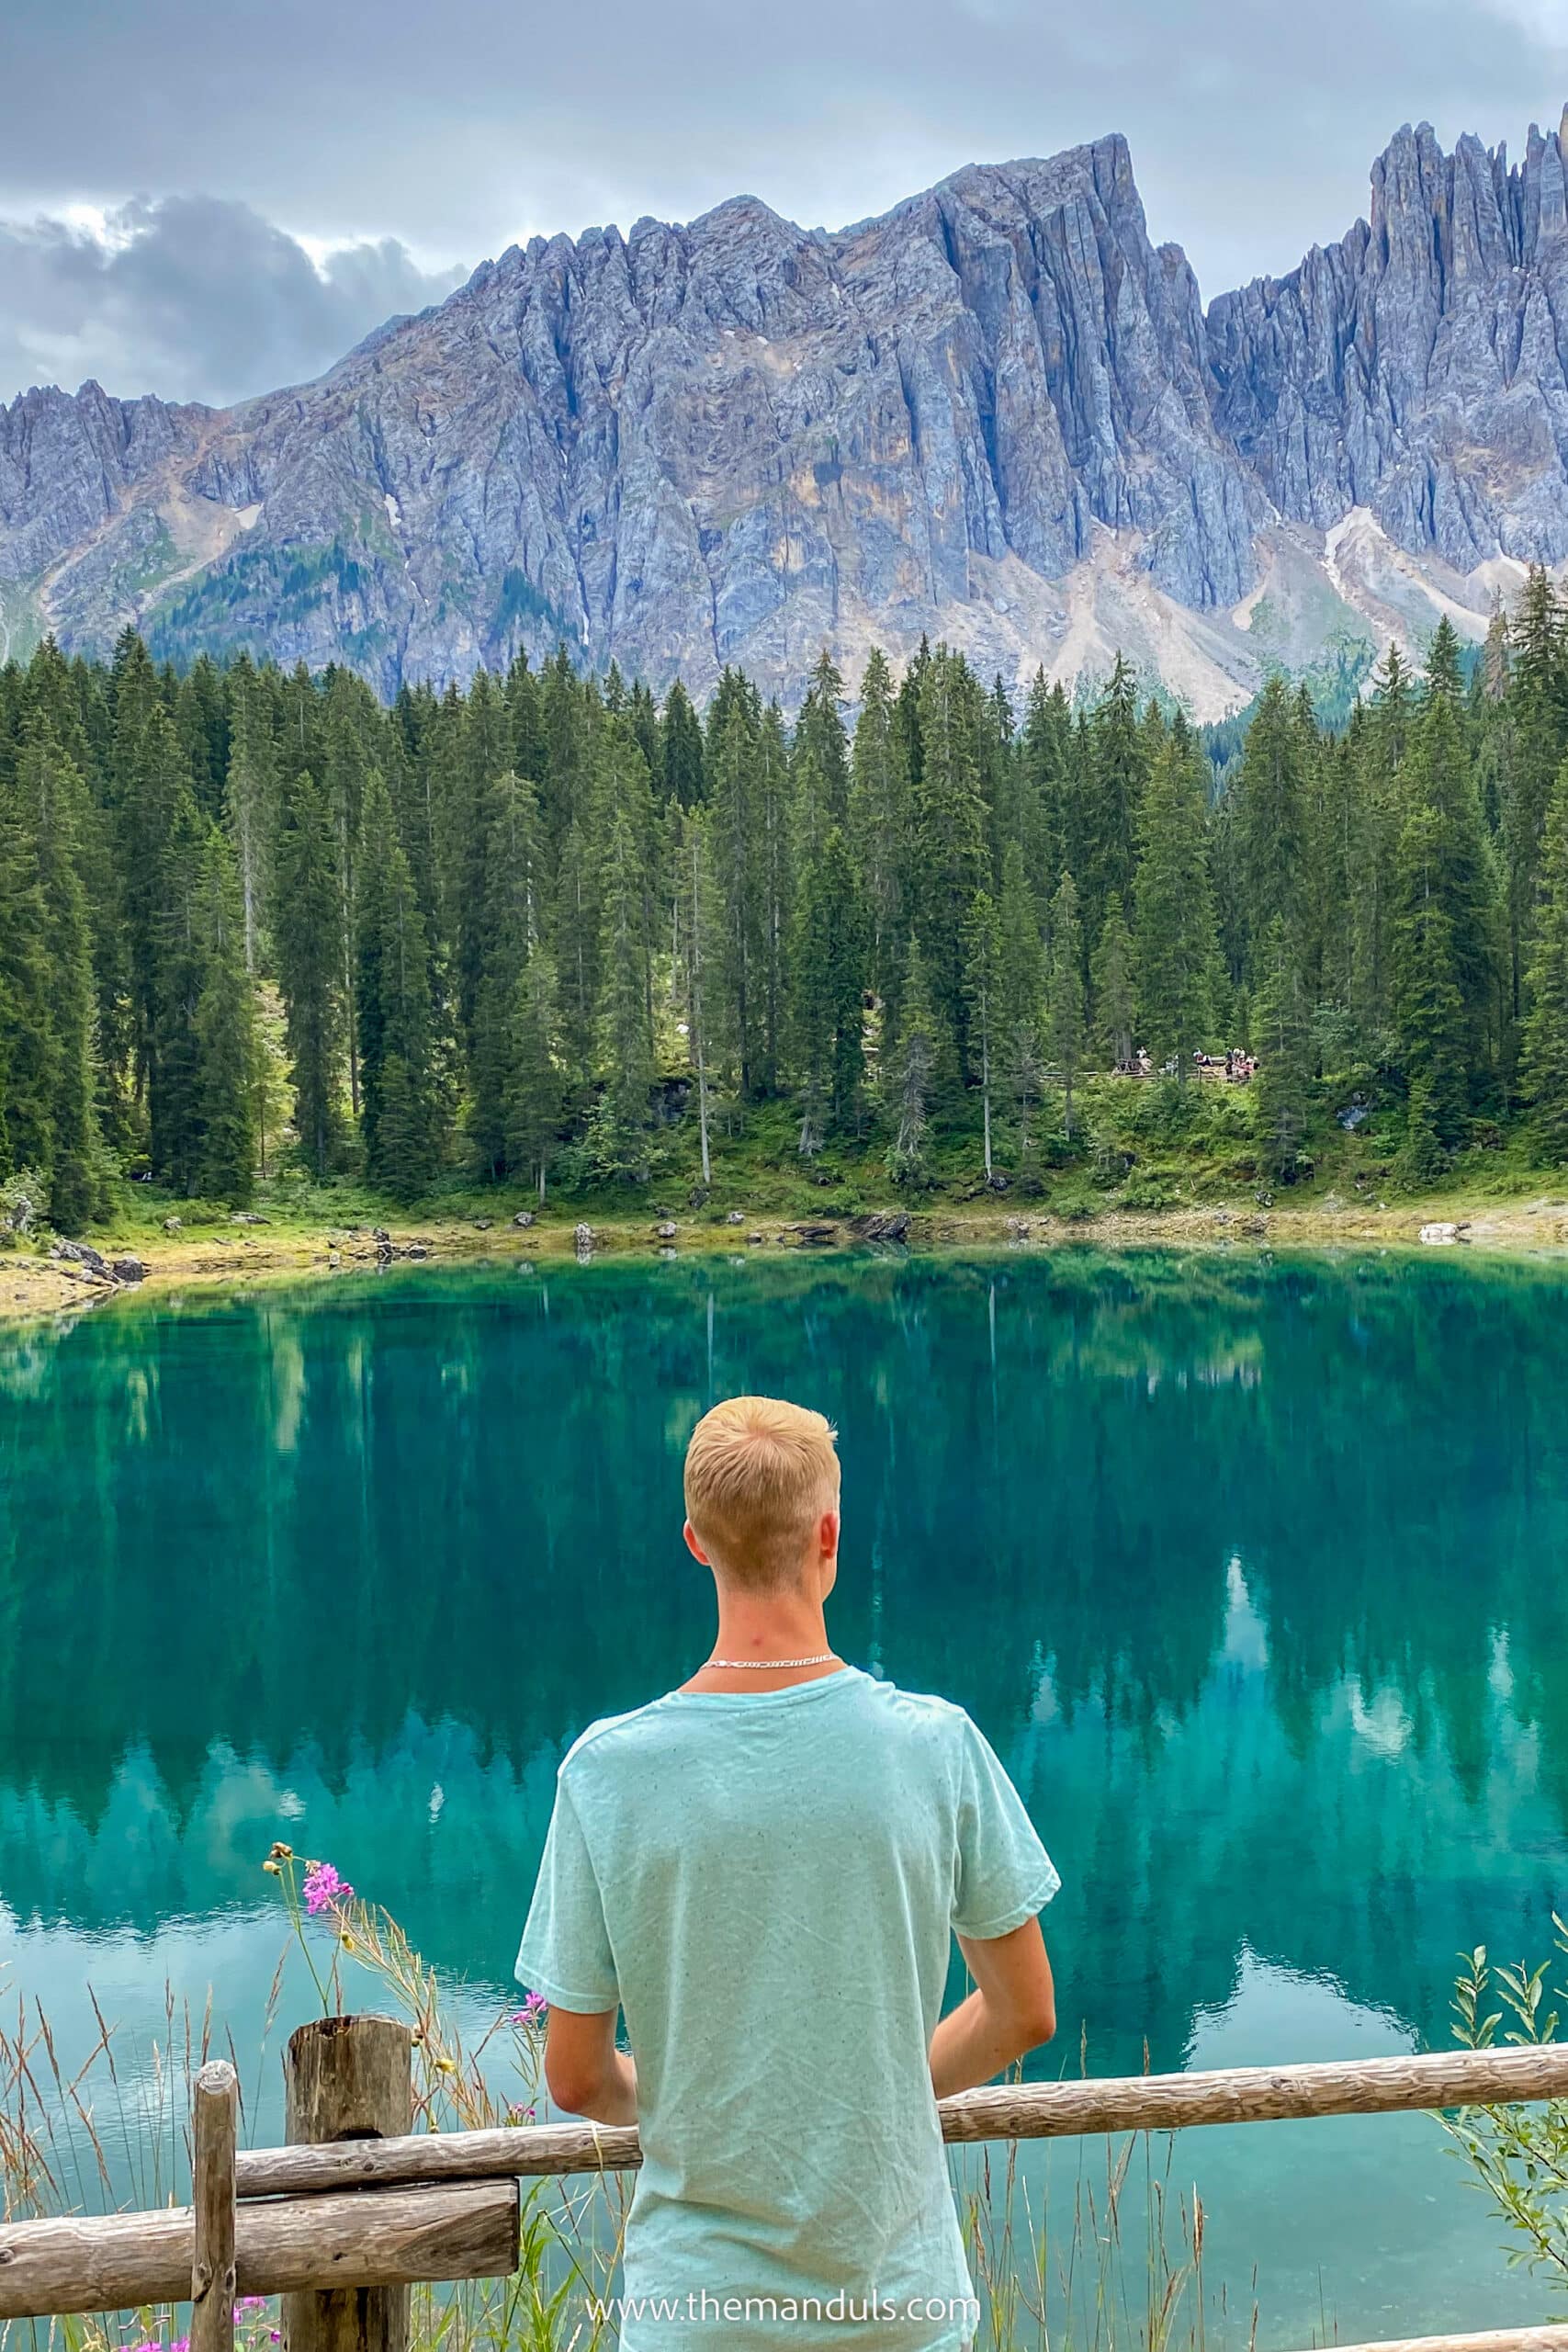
column 767, row 1883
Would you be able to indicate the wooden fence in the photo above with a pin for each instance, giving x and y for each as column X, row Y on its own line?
column 357, row 2207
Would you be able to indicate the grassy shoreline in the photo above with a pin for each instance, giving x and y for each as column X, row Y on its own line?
column 285, row 1248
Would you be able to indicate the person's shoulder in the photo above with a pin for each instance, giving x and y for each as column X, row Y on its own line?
column 607, row 1735
column 613, row 1740
column 922, row 1714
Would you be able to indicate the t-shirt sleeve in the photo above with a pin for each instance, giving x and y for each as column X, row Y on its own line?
column 566, row 1950
column 1005, row 1875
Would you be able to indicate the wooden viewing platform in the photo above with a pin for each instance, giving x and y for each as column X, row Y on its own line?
column 357, row 2208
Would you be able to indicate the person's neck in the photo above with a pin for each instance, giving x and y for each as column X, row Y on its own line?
column 763, row 1626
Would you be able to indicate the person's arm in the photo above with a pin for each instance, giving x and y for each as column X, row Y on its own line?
column 1012, row 2009
column 584, row 2071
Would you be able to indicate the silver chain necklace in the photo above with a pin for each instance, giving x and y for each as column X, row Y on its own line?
column 769, row 1665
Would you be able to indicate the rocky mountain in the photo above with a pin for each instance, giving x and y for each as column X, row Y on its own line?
column 997, row 414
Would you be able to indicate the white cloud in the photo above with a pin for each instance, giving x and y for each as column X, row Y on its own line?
column 192, row 297
column 1543, row 20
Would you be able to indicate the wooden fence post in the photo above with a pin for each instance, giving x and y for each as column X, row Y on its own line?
column 214, row 2126
column 348, row 2078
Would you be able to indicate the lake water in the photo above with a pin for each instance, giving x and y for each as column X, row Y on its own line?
column 1252, row 1573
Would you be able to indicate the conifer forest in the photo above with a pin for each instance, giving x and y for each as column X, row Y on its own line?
column 558, row 932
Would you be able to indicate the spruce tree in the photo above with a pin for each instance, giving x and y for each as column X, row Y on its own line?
column 682, row 750
column 1537, row 742
column 348, row 769
column 1066, row 992
column 1270, row 821
column 702, row 937
column 175, row 1128
column 537, row 1081
column 1045, row 746
column 526, row 720
column 1112, row 978
column 820, row 735
column 827, row 958
column 1118, row 750
column 201, row 722
column 1280, row 1096
column 1430, row 1013
column 251, row 799
column 567, row 719
column 948, row 860
column 983, row 995
column 846, row 939
column 133, row 698
column 735, row 842
column 879, row 819
column 1021, row 990
column 53, row 814
column 625, row 1042
column 1440, row 774
column 776, row 850
column 1177, row 942
column 400, row 1097
column 478, row 768
column 306, row 934
column 1544, row 1065
column 29, row 1053
column 157, row 804
column 576, row 950
column 224, row 1024
column 1370, row 805
column 510, row 926
column 914, row 1074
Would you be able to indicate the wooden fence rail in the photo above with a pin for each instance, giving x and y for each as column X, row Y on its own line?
column 1009, row 2112
column 341, row 2228
column 1502, row 2339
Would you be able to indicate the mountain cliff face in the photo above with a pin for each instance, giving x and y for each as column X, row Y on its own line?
column 1418, row 367
column 997, row 414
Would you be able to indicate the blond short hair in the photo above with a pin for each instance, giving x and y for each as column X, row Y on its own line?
column 760, row 1474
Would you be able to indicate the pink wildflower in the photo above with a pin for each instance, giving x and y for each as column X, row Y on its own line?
column 248, row 2304
column 324, row 1889
column 531, row 2012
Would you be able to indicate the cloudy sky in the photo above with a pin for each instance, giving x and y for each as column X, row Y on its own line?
column 206, row 202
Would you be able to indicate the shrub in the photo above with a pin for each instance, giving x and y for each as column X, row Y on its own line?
column 1519, row 2154
column 24, row 1200
column 1076, row 1206
column 1110, row 1161
column 1147, row 1194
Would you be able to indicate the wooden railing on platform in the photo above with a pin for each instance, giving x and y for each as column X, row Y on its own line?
column 345, row 2219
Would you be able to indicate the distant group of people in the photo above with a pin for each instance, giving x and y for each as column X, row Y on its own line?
column 1237, row 1065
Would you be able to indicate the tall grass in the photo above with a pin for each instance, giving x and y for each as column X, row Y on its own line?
column 1110, row 2273
column 1110, row 2260
column 1107, row 2273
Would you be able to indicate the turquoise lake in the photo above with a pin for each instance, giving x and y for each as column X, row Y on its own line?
column 1252, row 1572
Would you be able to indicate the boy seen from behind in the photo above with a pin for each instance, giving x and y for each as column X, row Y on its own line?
column 762, row 1870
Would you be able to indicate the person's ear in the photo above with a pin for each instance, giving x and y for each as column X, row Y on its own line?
column 827, row 1553
column 693, row 1546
